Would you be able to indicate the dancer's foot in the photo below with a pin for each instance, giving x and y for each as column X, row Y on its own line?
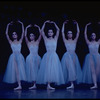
column 50, row 88
column 93, row 87
column 18, row 88
column 70, row 87
column 33, row 87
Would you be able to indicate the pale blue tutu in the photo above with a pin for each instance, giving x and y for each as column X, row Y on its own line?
column 10, row 73
column 12, row 69
column 71, row 68
column 91, row 65
column 87, row 73
column 50, row 67
column 70, row 64
column 32, row 67
column 50, row 70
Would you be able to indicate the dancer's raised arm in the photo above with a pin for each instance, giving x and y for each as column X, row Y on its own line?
column 39, row 38
column 42, row 30
column 63, row 28
column 9, row 40
column 99, row 39
column 78, row 31
column 57, row 33
column 26, row 39
column 85, row 33
column 22, row 36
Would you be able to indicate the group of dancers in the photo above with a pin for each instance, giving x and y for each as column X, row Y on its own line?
column 49, row 69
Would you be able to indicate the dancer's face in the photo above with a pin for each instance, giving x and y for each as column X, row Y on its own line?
column 14, row 35
column 93, row 36
column 32, row 36
column 50, row 33
column 69, row 34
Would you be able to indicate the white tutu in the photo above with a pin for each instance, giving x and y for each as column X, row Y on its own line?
column 32, row 63
column 15, row 66
column 91, row 64
column 70, row 64
column 50, row 67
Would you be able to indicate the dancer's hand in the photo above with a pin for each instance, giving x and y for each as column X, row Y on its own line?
column 29, row 26
column 75, row 22
column 88, row 24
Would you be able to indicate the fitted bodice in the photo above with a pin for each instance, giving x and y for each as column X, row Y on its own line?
column 51, row 45
column 16, row 47
column 70, row 47
column 93, row 48
column 33, row 49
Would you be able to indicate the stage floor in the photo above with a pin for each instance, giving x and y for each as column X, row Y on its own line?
column 81, row 91
column 50, row 94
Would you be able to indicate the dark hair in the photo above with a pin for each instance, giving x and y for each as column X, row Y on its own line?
column 69, row 31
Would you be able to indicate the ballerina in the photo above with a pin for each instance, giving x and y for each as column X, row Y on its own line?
column 15, row 71
column 70, row 62
column 33, row 59
column 50, row 68
column 91, row 66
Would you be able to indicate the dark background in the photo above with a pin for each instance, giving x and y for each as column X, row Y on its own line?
column 36, row 12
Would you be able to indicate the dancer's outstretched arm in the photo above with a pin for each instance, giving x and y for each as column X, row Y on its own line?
column 63, row 28
column 8, row 38
column 22, row 36
column 57, row 33
column 85, row 34
column 78, row 31
column 42, row 30
column 26, row 39
column 39, row 38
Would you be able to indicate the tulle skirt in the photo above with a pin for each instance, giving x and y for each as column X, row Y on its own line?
column 15, row 68
column 32, row 66
column 50, row 69
column 91, row 66
column 71, row 68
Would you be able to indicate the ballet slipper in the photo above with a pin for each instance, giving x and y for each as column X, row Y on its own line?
column 70, row 87
column 93, row 87
column 33, row 87
column 50, row 88
column 18, row 88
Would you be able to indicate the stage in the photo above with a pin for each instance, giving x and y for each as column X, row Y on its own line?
column 50, row 94
column 36, row 13
column 81, row 91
